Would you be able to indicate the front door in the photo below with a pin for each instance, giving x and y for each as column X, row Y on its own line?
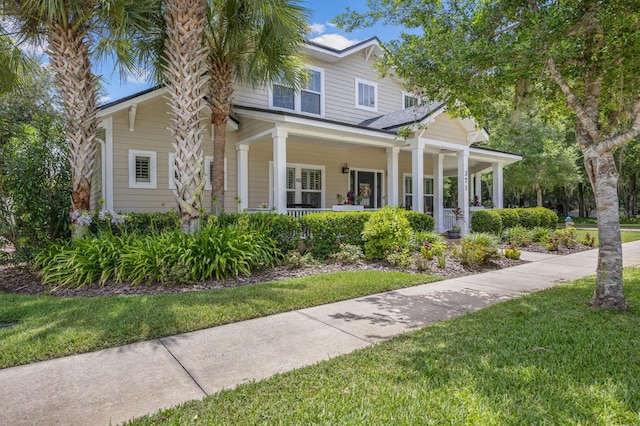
column 367, row 185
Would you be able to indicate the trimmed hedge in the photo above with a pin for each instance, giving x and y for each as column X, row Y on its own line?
column 420, row 221
column 140, row 223
column 487, row 221
column 324, row 232
column 510, row 218
column 285, row 230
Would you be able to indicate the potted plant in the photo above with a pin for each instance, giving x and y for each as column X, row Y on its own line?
column 458, row 215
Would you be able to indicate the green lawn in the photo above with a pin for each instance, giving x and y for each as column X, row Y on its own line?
column 51, row 327
column 540, row 359
column 626, row 236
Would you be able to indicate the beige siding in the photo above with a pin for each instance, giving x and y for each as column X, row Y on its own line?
column 446, row 129
column 96, row 201
column 339, row 90
column 150, row 134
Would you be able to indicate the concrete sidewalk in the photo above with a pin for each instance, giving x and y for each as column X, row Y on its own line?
column 117, row 384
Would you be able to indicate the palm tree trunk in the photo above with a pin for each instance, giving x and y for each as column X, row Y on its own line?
column 69, row 58
column 220, row 97
column 603, row 174
column 185, row 72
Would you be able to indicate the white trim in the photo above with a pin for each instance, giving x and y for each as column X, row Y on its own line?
column 424, row 177
column 152, row 184
column 132, row 117
column 208, row 160
column 298, row 175
column 297, row 96
column 409, row 95
column 108, row 161
column 135, row 100
column 330, row 55
column 373, row 84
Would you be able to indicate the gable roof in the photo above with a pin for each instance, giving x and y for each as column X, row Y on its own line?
column 403, row 117
column 329, row 54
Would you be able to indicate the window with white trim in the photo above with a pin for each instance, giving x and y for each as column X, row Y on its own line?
column 142, row 169
column 308, row 100
column 208, row 172
column 305, row 185
column 409, row 100
column 366, row 95
column 427, row 193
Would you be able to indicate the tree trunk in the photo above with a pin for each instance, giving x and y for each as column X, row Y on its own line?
column 220, row 97
column 603, row 175
column 186, row 74
column 538, row 195
column 69, row 57
column 633, row 197
column 581, row 209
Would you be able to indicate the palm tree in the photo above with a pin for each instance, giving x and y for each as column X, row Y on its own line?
column 252, row 41
column 13, row 63
column 185, row 73
column 73, row 30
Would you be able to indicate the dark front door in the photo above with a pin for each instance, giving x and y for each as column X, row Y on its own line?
column 366, row 185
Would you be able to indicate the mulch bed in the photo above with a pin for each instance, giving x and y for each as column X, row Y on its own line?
column 21, row 279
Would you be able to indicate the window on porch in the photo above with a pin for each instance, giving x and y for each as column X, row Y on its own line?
column 305, row 186
column 427, row 196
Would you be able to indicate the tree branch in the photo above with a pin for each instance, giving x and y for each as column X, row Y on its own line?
column 574, row 103
column 634, row 131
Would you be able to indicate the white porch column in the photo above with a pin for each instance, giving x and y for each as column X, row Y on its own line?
column 479, row 187
column 438, row 191
column 243, row 176
column 280, row 169
column 463, row 189
column 498, row 196
column 417, row 174
column 108, row 162
column 472, row 187
column 392, row 176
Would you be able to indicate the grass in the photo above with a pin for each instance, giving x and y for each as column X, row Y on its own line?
column 51, row 327
column 626, row 236
column 545, row 358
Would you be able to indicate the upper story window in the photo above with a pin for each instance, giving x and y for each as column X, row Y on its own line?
column 308, row 100
column 409, row 100
column 366, row 95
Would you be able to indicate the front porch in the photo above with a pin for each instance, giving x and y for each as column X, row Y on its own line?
column 296, row 166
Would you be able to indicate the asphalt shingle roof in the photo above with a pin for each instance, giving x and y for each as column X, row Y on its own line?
column 403, row 117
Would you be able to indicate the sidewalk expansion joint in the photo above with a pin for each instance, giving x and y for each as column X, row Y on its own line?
column 184, row 368
column 335, row 327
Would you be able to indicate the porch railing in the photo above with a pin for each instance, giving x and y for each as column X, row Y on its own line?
column 300, row 211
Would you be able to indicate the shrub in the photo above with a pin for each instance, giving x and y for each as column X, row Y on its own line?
column 348, row 253
column 299, row 260
column 400, row 258
column 567, row 236
column 512, row 252
column 478, row 248
column 386, row 230
column 548, row 218
column 529, row 218
column 213, row 252
column 285, row 230
column 420, row 221
column 324, row 232
column 518, row 235
column 541, row 235
column 141, row 223
column 486, row 221
column 510, row 217
column 588, row 240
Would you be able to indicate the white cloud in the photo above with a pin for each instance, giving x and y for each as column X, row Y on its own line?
column 335, row 41
column 316, row 28
column 138, row 77
column 104, row 99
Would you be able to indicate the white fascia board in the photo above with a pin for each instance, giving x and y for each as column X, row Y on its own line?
column 130, row 102
column 494, row 156
column 276, row 117
column 330, row 55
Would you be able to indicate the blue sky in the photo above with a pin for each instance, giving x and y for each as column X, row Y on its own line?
column 322, row 31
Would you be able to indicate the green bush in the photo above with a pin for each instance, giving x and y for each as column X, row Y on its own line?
column 518, row 236
column 386, row 230
column 348, row 253
column 478, row 247
column 486, row 221
column 135, row 223
column 172, row 256
column 541, row 235
column 510, row 217
column 420, row 221
column 548, row 218
column 285, row 230
column 529, row 218
column 324, row 232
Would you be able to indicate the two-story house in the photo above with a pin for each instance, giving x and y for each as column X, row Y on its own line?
column 296, row 150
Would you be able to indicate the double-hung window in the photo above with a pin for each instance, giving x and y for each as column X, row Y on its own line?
column 305, row 185
column 409, row 101
column 308, row 100
column 366, row 95
column 427, row 193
